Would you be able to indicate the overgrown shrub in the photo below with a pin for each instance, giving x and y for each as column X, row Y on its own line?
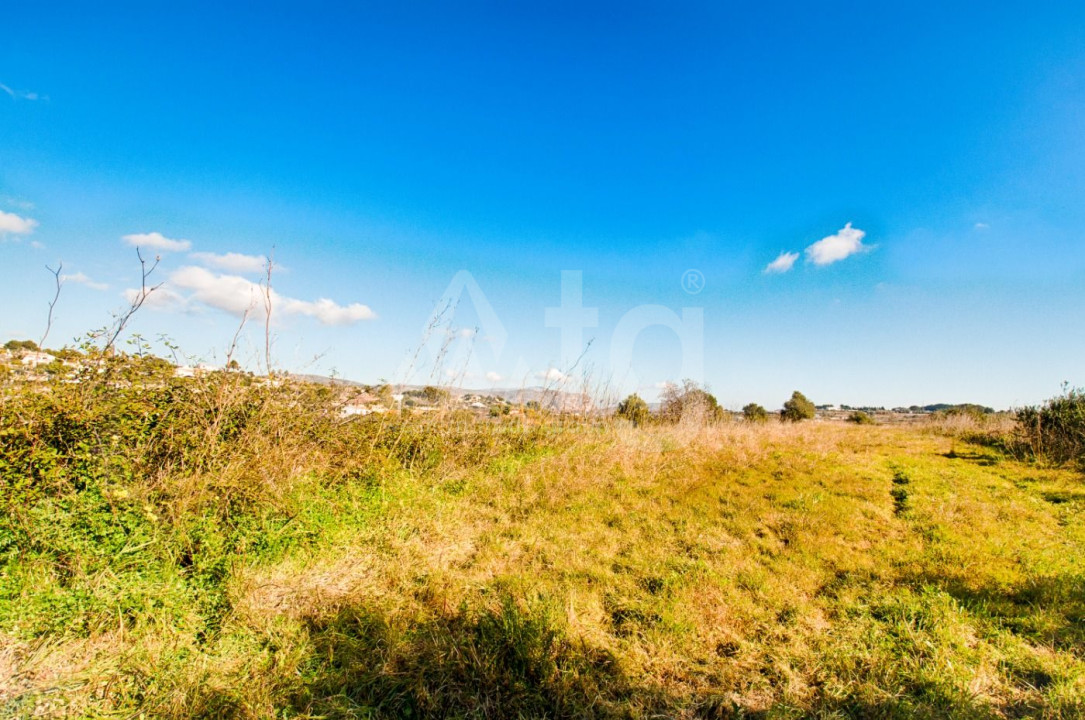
column 861, row 418
column 798, row 408
column 634, row 409
column 689, row 402
column 755, row 413
column 1055, row 430
column 16, row 345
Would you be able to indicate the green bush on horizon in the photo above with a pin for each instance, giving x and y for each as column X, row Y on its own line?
column 689, row 402
column 798, row 408
column 634, row 409
column 755, row 413
column 1055, row 431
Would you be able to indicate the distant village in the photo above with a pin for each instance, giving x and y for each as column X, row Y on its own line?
column 24, row 361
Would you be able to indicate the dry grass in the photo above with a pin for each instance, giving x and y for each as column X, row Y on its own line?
column 448, row 567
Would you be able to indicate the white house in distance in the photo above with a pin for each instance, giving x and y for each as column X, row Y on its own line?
column 34, row 359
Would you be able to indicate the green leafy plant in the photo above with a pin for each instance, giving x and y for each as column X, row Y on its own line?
column 798, row 408
column 634, row 409
column 755, row 413
column 1055, row 430
column 689, row 402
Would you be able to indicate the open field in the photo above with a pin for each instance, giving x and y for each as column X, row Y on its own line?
column 295, row 565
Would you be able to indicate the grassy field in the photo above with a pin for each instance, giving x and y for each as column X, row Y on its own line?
column 301, row 567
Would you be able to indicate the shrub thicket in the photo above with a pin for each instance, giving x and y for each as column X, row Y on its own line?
column 755, row 413
column 634, row 409
column 1055, row 431
column 21, row 345
column 689, row 402
column 798, row 408
column 861, row 418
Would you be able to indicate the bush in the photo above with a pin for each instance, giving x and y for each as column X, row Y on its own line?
column 1056, row 430
column 975, row 412
column 755, row 413
column 15, row 345
column 634, row 409
column 798, row 408
column 689, row 402
column 860, row 418
column 435, row 395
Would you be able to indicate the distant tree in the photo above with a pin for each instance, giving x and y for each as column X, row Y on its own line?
column 755, row 413
column 634, row 409
column 14, row 345
column 384, row 393
column 689, row 401
column 798, row 408
column 435, row 395
column 861, row 418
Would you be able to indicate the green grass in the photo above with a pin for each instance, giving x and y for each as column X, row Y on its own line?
column 457, row 568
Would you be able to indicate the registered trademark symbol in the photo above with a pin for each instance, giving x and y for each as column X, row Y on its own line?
column 692, row 281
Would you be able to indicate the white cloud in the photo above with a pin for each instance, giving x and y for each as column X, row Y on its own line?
column 327, row 311
column 782, row 263
column 236, row 295
column 81, row 278
column 494, row 377
column 16, row 202
column 551, row 375
column 982, row 226
column 156, row 241
column 847, row 241
column 12, row 224
column 161, row 298
column 231, row 261
column 20, row 94
column 231, row 293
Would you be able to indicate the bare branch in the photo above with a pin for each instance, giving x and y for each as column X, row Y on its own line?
column 267, row 310
column 137, row 302
column 53, row 302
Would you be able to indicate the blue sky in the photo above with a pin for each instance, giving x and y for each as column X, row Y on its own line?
column 382, row 150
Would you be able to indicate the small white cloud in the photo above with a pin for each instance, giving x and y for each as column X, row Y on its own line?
column 37, row 245
column 551, row 375
column 981, row 226
column 16, row 202
column 81, row 278
column 834, row 248
column 782, row 263
column 161, row 298
column 231, row 261
column 494, row 377
column 12, row 224
column 327, row 311
column 156, row 241
column 20, row 94
column 237, row 295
